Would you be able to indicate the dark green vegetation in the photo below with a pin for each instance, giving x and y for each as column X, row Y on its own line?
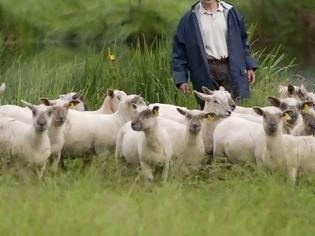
column 53, row 47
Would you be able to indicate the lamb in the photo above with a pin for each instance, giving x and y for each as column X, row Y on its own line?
column 56, row 129
column 289, row 91
column 149, row 144
column 307, row 125
column 96, row 133
column 186, row 140
column 69, row 97
column 217, row 101
column 286, row 152
column 111, row 102
column 238, row 140
column 27, row 143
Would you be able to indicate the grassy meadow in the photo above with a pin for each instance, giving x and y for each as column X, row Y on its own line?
column 46, row 53
column 221, row 200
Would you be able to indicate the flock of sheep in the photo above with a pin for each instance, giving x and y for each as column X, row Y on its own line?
column 279, row 137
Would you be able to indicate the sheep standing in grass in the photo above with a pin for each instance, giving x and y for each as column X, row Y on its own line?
column 55, row 131
column 286, row 152
column 96, row 133
column 111, row 102
column 149, row 144
column 28, row 143
column 69, row 97
column 307, row 125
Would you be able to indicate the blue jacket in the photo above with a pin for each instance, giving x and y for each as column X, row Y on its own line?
column 189, row 55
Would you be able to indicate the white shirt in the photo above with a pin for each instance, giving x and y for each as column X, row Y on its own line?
column 213, row 27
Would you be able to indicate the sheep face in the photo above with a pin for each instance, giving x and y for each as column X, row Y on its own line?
column 113, row 98
column 60, row 110
column 289, row 91
column 130, row 104
column 221, row 93
column 272, row 120
column 215, row 103
column 308, row 115
column 194, row 119
column 42, row 116
column 145, row 119
column 73, row 96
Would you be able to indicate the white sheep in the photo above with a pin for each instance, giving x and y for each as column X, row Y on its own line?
column 67, row 98
column 27, row 143
column 111, row 102
column 307, row 124
column 286, row 152
column 289, row 91
column 147, row 144
column 55, row 131
column 96, row 133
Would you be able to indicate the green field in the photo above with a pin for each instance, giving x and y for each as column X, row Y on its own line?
column 221, row 200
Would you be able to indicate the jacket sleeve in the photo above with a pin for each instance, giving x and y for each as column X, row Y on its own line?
column 250, row 61
column 180, row 61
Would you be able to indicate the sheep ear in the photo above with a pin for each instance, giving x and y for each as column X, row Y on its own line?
column 258, row 111
column 200, row 95
column 305, row 106
column 206, row 90
column 155, row 110
column 210, row 116
column 134, row 105
column 110, row 93
column 45, row 101
column 274, row 101
column 290, row 89
column 29, row 105
column 77, row 96
column 181, row 111
column 288, row 114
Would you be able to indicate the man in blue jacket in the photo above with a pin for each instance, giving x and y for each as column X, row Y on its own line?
column 210, row 47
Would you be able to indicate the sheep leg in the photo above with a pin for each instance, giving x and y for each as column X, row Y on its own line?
column 146, row 170
column 55, row 162
column 291, row 178
column 40, row 173
column 165, row 171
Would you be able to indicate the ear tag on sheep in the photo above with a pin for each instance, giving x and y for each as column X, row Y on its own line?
column 287, row 117
column 210, row 117
column 72, row 106
column 306, row 107
column 156, row 113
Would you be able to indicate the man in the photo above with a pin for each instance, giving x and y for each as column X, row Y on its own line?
column 210, row 45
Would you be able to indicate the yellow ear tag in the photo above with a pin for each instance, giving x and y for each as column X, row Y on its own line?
column 72, row 106
column 287, row 117
column 156, row 113
column 306, row 107
column 210, row 118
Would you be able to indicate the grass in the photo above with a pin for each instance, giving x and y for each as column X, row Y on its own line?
column 221, row 200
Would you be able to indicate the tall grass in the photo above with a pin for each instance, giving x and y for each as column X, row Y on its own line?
column 222, row 199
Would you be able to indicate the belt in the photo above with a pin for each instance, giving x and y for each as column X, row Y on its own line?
column 218, row 61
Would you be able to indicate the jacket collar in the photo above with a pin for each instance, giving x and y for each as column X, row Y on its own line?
column 226, row 6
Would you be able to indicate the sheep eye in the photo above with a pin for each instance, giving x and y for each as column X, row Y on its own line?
column 49, row 113
column 34, row 113
column 215, row 101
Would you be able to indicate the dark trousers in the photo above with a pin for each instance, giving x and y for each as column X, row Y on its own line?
column 220, row 76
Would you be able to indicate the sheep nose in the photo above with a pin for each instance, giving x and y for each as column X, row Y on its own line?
column 195, row 126
column 233, row 107
column 229, row 112
column 42, row 122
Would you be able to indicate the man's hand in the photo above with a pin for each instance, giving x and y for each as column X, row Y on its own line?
column 251, row 76
column 184, row 88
